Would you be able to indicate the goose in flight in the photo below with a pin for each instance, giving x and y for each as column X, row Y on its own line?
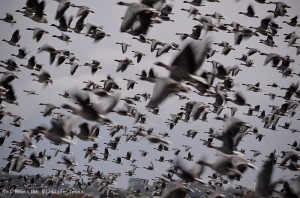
column 43, row 77
column 138, row 55
column 63, row 37
column 37, row 33
column 37, row 11
column 157, row 139
column 154, row 44
column 238, row 99
column 123, row 64
column 130, row 83
column 196, row 32
column 48, row 109
column 232, row 134
column 188, row 62
column 19, row 163
column 161, row 90
column 269, row 41
column 293, row 22
column 8, row 19
column 93, row 112
column 68, row 161
column 124, row 46
column 14, row 39
column 222, row 166
column 250, row 12
column 192, row 11
column 137, row 11
column 188, row 175
column 63, row 24
column 166, row 48
column 87, row 133
column 59, row 132
column 22, row 53
column 95, row 65
column 195, row 2
column 11, row 65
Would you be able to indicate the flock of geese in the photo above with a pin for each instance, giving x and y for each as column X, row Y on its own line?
column 116, row 121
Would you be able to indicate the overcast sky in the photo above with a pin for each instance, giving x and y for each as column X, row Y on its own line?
column 108, row 15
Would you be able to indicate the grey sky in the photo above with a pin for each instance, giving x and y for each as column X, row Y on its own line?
column 108, row 14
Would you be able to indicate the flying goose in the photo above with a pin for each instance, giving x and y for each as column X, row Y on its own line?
column 14, row 39
column 68, row 161
column 238, row 99
column 43, row 77
column 150, row 77
column 138, row 55
column 95, row 65
column 192, row 11
column 293, row 22
column 232, row 134
column 96, row 112
column 150, row 167
column 269, row 41
column 154, row 44
column 157, row 139
column 25, row 143
column 63, row 24
column 37, row 33
column 124, row 46
column 62, row 8
column 87, row 133
column 250, row 12
column 19, row 163
column 188, row 62
column 59, row 133
column 63, row 37
column 188, row 175
column 162, row 88
column 252, row 51
column 65, row 95
column 134, row 11
column 222, row 166
column 9, row 19
column 195, row 2
column 37, row 11
column 194, row 35
column 83, row 10
column 11, row 65
column 217, row 16
column 123, row 64
column 21, row 53
column 280, row 9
